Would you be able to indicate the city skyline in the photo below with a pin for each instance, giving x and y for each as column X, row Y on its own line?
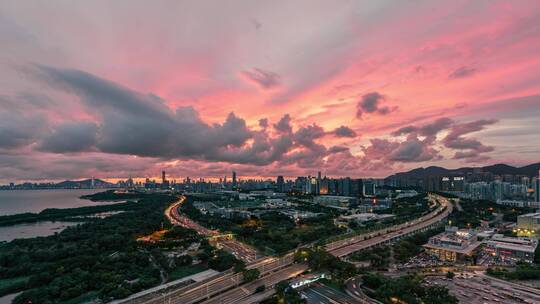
column 364, row 89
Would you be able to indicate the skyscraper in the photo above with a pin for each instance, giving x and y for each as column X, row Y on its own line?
column 280, row 183
column 537, row 188
column 234, row 179
column 318, row 191
column 164, row 181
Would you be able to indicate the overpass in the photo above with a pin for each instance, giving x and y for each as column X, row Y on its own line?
column 225, row 287
column 222, row 282
column 431, row 220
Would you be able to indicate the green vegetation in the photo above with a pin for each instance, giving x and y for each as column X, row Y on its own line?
column 112, row 195
column 217, row 259
column 408, row 208
column 412, row 245
column 272, row 233
column 475, row 211
column 68, row 214
column 101, row 258
column 407, row 289
column 320, row 260
column 251, row 275
column 185, row 270
column 285, row 294
column 522, row 272
column 405, row 210
column 402, row 251
column 12, row 285
column 378, row 258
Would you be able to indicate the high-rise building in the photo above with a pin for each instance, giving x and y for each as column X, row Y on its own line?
column 164, row 181
column 368, row 188
column 319, row 180
column 280, row 182
column 234, row 182
column 537, row 188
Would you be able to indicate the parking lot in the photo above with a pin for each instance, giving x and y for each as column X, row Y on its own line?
column 420, row 261
column 475, row 287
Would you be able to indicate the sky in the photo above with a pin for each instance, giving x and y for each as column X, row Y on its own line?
column 114, row 89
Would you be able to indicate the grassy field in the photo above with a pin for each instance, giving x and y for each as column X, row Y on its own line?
column 186, row 271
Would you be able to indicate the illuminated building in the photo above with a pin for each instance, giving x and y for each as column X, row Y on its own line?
column 528, row 224
column 511, row 249
column 453, row 244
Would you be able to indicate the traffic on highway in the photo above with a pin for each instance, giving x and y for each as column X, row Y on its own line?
column 228, row 287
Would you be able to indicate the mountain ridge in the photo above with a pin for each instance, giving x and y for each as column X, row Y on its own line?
column 496, row 169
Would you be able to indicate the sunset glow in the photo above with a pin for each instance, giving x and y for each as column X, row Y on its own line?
column 364, row 88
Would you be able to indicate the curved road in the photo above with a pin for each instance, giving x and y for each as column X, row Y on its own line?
column 269, row 266
column 345, row 247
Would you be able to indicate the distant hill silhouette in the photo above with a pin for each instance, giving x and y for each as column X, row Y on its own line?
column 498, row 169
column 85, row 183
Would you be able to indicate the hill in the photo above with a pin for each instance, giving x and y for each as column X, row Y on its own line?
column 498, row 169
column 85, row 183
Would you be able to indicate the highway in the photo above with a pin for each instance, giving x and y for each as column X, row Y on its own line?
column 223, row 282
column 244, row 291
column 478, row 288
column 345, row 247
column 320, row 293
column 354, row 288
column 240, row 250
column 226, row 287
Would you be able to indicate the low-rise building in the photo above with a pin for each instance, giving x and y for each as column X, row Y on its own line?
column 299, row 215
column 528, row 224
column 362, row 217
column 511, row 249
column 335, row 201
column 453, row 244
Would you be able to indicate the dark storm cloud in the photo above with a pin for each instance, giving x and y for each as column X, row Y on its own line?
column 371, row 103
column 430, row 129
column 344, row 131
column 133, row 123
column 20, row 129
column 47, row 166
column 414, row 150
column 263, row 123
column 262, row 78
column 71, row 137
column 307, row 135
column 462, row 72
column 455, row 140
column 284, row 124
column 137, row 124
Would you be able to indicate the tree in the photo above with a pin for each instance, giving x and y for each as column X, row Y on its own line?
column 282, row 286
column 438, row 295
column 251, row 275
column 240, row 266
column 450, row 275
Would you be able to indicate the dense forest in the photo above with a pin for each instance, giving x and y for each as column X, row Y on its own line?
column 97, row 259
